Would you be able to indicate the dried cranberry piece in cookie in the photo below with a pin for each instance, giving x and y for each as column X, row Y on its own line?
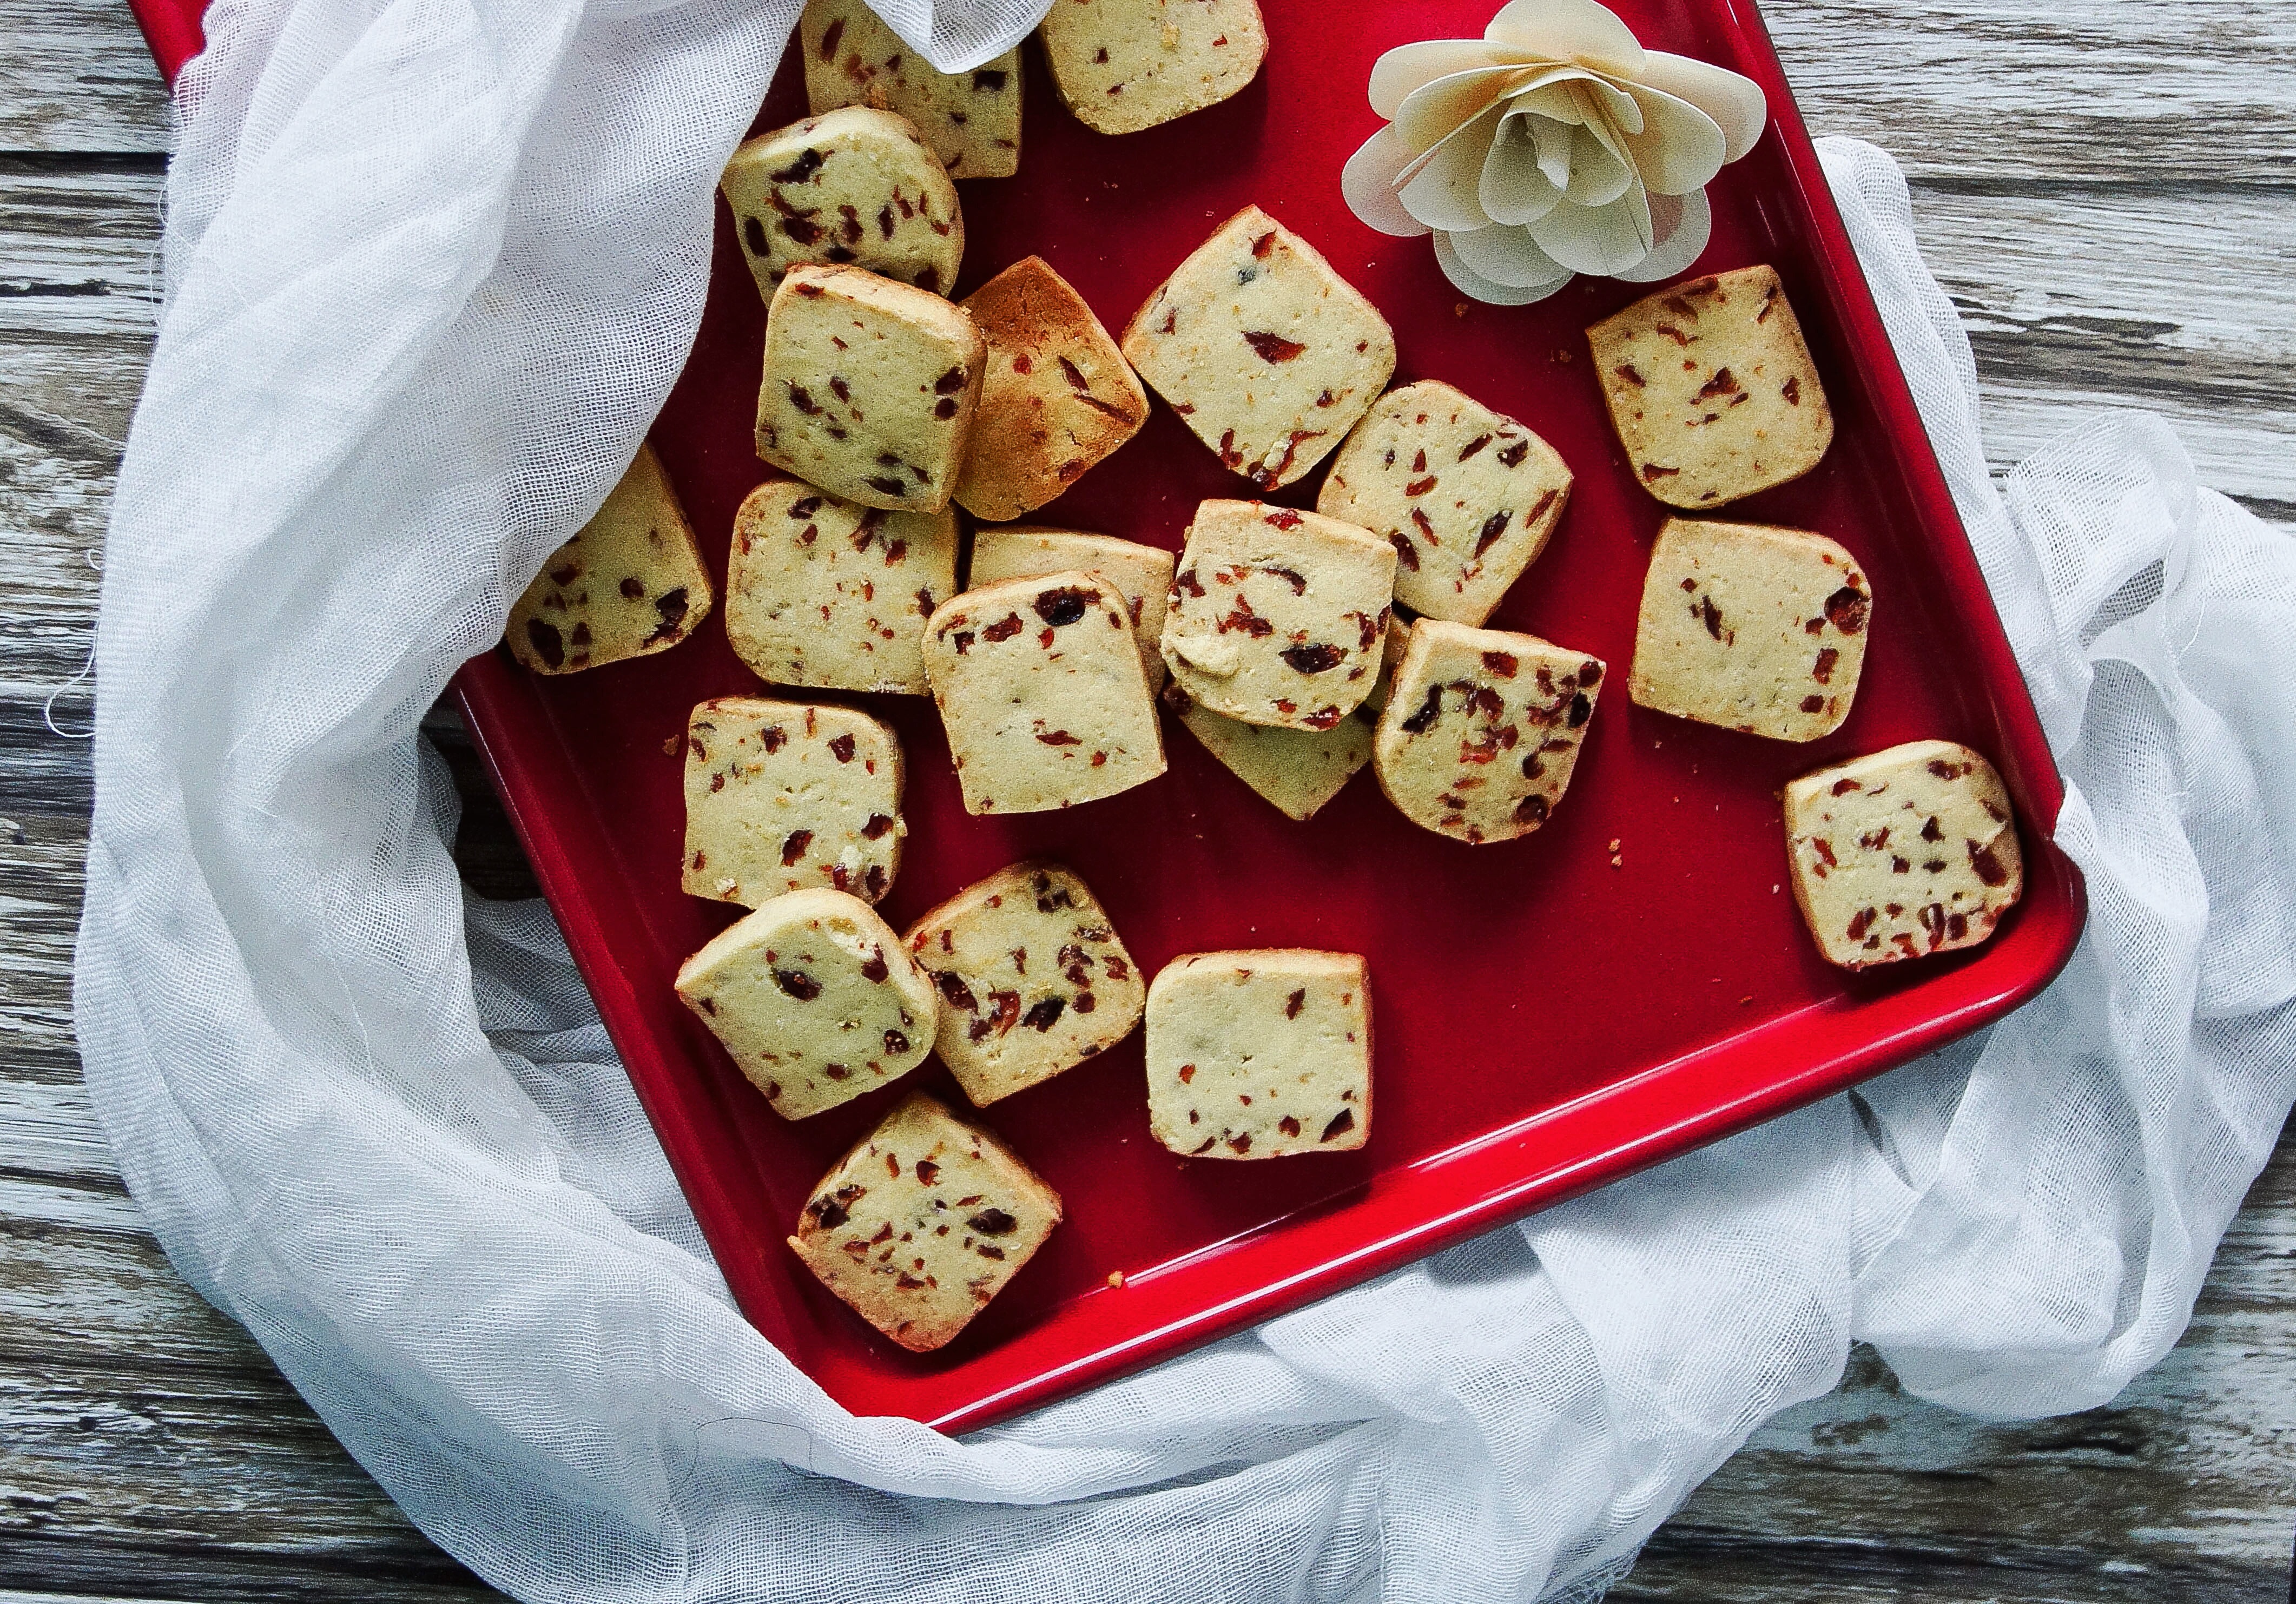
column 1902, row 853
column 1260, row 1054
column 922, row 1222
column 1482, row 730
column 1278, row 616
column 780, row 796
column 1033, row 976
column 1040, row 686
column 814, row 1000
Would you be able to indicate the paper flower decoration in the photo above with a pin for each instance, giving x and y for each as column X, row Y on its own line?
column 1556, row 144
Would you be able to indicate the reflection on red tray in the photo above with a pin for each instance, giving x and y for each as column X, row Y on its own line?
column 1547, row 1021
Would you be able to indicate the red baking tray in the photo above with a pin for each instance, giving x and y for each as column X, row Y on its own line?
column 1548, row 1019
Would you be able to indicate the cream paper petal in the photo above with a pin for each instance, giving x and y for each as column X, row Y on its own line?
column 1508, row 257
column 1434, row 110
column 1483, row 119
column 1553, row 90
column 1409, row 67
column 1367, row 184
column 1604, row 133
column 1604, row 241
column 1682, row 223
column 1443, row 192
column 1603, row 98
column 1552, row 138
column 1550, row 94
column 1569, row 30
column 1597, row 176
column 1482, row 289
column 1513, row 189
column 1680, row 147
column 1731, row 99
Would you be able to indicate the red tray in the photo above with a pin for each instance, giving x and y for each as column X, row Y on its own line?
column 1548, row 1021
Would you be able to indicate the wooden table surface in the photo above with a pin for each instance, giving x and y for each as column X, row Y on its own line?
column 2108, row 190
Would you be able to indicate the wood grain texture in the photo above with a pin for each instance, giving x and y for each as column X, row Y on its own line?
column 2088, row 175
column 2181, row 1491
column 2073, row 95
column 2114, row 214
column 75, row 76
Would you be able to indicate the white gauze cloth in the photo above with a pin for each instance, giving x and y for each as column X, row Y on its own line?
column 431, row 266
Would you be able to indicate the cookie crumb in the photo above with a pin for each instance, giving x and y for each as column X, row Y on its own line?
column 1116, row 1280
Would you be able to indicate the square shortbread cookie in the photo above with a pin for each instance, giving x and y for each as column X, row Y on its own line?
column 1278, row 616
column 1032, row 978
column 1902, row 853
column 1039, row 681
column 971, row 120
column 869, row 388
column 852, row 186
column 1056, row 396
column 822, row 592
column 1467, row 496
column 1711, row 389
column 1269, row 354
column 815, row 999
column 1756, row 629
column 1297, row 769
column 1141, row 574
column 1260, row 1054
column 1482, row 729
column 629, row 583
column 780, row 796
column 1124, row 65
column 922, row 1222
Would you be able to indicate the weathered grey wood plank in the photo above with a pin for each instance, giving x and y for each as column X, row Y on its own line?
column 76, row 76
column 2083, row 91
column 2072, row 94
column 2083, row 173
column 2182, row 1490
column 76, row 312
column 2074, row 304
column 146, row 1442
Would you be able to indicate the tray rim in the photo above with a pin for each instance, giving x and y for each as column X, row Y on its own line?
column 173, row 30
